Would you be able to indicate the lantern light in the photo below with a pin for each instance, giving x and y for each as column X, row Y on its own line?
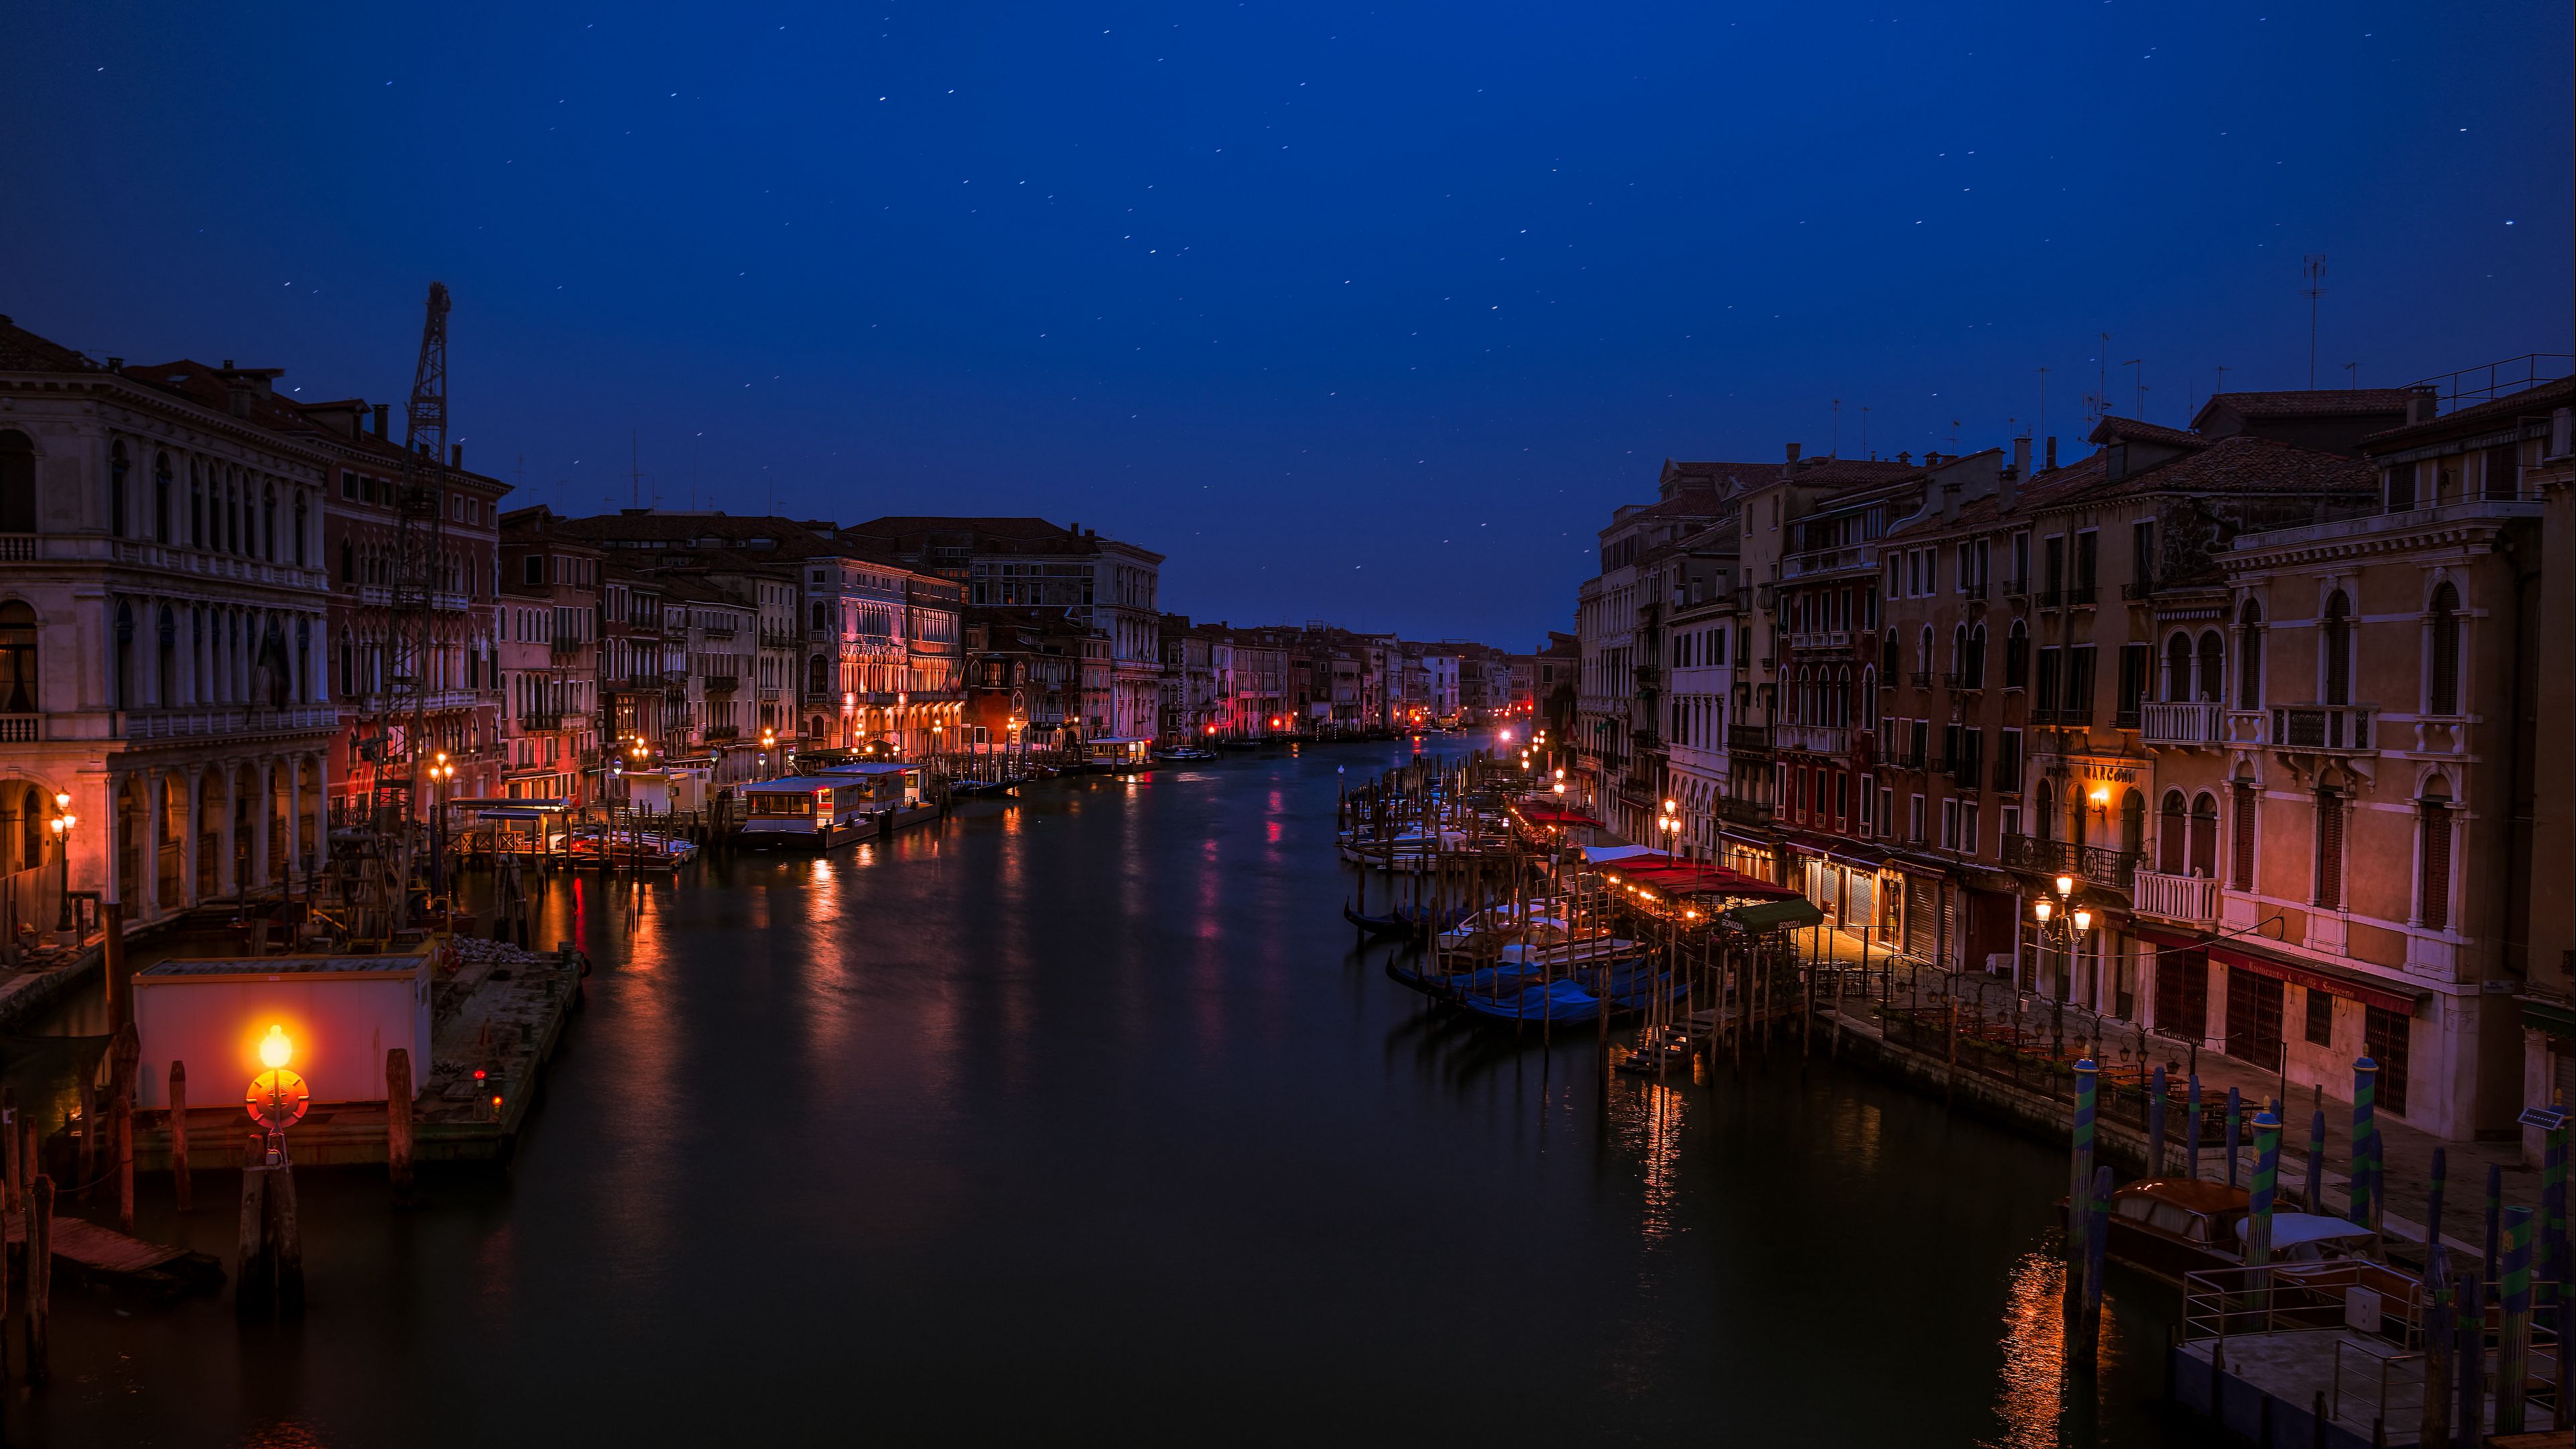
column 2040, row 908
column 276, row 1049
column 2083, row 920
column 2065, row 885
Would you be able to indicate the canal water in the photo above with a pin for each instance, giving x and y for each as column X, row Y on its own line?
column 1081, row 1116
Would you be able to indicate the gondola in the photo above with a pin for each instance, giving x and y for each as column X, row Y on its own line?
column 1381, row 927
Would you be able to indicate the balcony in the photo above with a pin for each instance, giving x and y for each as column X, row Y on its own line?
column 21, row 729
column 17, row 548
column 2342, row 729
column 2064, row 717
column 2095, row 864
column 2140, row 590
column 1964, row 774
column 2192, row 900
column 567, row 648
column 1743, row 812
column 1976, row 591
column 1962, row 681
column 539, row 723
column 172, row 724
column 1836, row 639
column 723, row 683
column 1903, row 757
column 721, row 631
column 2016, row 588
column 1814, row 739
column 1818, row 562
column 1749, row 739
column 1921, row 678
column 2080, row 596
column 2179, row 722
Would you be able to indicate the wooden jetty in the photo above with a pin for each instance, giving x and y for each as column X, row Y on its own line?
column 88, row 1252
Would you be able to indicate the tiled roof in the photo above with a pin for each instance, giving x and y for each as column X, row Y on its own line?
column 2046, row 490
column 2247, row 465
column 2133, row 430
column 2314, row 403
column 24, row 351
column 911, row 532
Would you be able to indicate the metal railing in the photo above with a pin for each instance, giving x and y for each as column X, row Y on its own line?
column 2331, row 727
column 2097, row 864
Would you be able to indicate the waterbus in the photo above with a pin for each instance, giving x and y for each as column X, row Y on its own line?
column 818, row 810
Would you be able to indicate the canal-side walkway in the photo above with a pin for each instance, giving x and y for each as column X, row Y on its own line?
column 2408, row 1166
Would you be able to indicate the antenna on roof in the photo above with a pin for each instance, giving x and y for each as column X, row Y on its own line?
column 2137, row 379
column 1835, row 448
column 2352, row 377
column 2313, row 268
column 2043, row 400
column 1864, row 433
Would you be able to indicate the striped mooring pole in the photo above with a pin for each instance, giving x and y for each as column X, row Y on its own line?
column 2513, row 1346
column 2495, row 1218
column 2156, row 1125
column 2235, row 1130
column 2191, row 1127
column 2079, row 1183
column 2365, row 1077
column 2097, row 1238
column 2317, row 1164
column 2267, row 1177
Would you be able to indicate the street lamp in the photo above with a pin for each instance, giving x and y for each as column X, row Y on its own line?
column 277, row 1096
column 63, row 823
column 2072, row 921
column 442, row 777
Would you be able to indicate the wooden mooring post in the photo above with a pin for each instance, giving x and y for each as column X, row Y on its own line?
column 13, row 1168
column 398, row 1096
column 40, row 1276
column 179, row 1193
column 270, row 1275
column 121, row 1119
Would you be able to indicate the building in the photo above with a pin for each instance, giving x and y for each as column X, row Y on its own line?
column 550, row 619
column 164, row 612
column 1012, row 562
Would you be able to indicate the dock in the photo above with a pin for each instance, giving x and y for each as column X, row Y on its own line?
column 501, row 1014
column 86, row 1251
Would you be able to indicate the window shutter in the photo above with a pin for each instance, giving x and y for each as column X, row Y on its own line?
column 2329, row 850
column 2437, row 867
column 2244, row 838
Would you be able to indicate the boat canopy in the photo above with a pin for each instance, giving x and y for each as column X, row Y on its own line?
column 794, row 785
column 2291, row 1229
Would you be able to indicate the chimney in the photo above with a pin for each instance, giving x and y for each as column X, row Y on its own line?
column 382, row 409
column 456, row 457
column 1793, row 455
column 116, row 364
column 237, row 391
column 2424, row 406
column 2021, row 456
column 2052, row 453
column 2010, row 479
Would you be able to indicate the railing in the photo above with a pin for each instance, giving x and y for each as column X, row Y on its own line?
column 1821, row 639
column 566, row 648
column 2016, row 588
column 722, row 732
column 1829, row 560
column 195, row 561
column 1975, row 590
column 2176, row 897
column 21, row 729
column 537, row 722
column 2079, row 596
column 1816, row 739
column 1960, row 679
column 720, row 683
column 1750, row 739
column 720, row 631
column 1922, row 678
column 1965, row 773
column 2140, row 589
column 1904, row 757
column 2334, row 727
column 17, row 548
column 2064, row 716
column 2097, row 864
column 1743, row 812
column 2179, row 722
column 168, row 724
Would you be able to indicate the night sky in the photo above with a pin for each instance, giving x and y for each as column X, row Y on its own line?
column 1369, row 315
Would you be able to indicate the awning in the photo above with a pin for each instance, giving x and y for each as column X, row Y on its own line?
column 2350, row 985
column 2556, row 1018
column 1772, row 915
column 1607, row 854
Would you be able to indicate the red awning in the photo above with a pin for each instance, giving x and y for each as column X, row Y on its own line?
column 2235, row 955
column 1688, row 878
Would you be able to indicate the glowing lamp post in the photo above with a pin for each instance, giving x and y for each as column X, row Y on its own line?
column 2070, row 920
column 277, row 1096
column 63, row 824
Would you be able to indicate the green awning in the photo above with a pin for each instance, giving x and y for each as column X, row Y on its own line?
column 1771, row 915
column 2550, row 1017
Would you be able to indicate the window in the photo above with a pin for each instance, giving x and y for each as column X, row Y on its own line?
column 2249, row 656
column 2171, row 831
column 1886, row 810
column 2137, row 669
column 1868, row 805
column 2443, row 693
column 532, row 569
column 2142, row 551
column 1968, row 826
column 2433, row 888
column 2401, row 487
column 2079, row 682
column 2044, row 698
column 17, row 483
column 1949, row 824
column 2213, row 667
column 1914, row 819
column 18, row 688
column 2017, row 656
column 2008, row 761
column 2330, row 823
column 2087, row 547
column 2320, row 1024
column 2052, row 559
column 2334, row 640
column 2204, row 836
column 2503, row 471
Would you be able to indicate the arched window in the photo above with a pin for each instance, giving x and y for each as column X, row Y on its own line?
column 2444, row 695
column 1887, row 660
column 2170, row 830
column 230, row 541
column 1975, row 667
column 196, row 504
column 822, row 616
column 1923, row 651
column 303, row 515
column 1842, row 698
column 2017, row 656
column 2213, row 667
column 2249, row 658
column 2334, row 639
column 303, row 658
column 1959, row 651
column 1868, row 698
column 818, row 677
column 348, row 563
column 2133, row 822
column 2204, row 836
column 2178, row 666
column 2433, row 887
column 165, row 521
column 17, row 483
column 123, row 683
column 18, row 694
column 118, row 481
